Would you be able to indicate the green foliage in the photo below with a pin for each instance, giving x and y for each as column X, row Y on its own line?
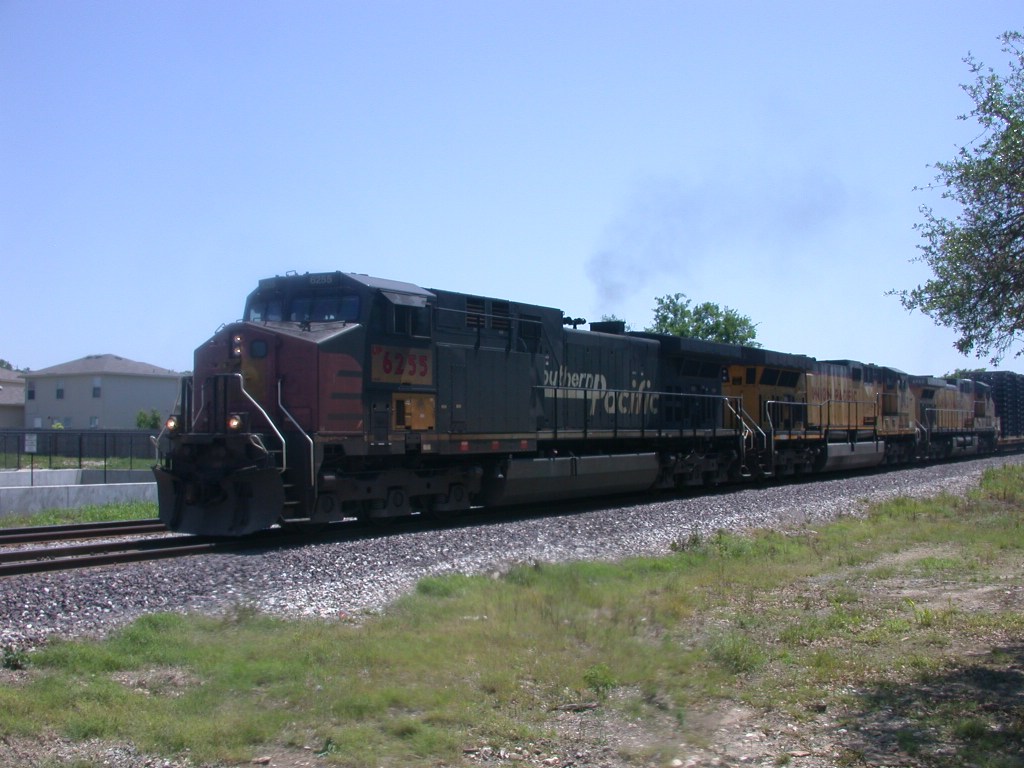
column 151, row 420
column 708, row 322
column 615, row 319
column 600, row 680
column 977, row 258
column 13, row 658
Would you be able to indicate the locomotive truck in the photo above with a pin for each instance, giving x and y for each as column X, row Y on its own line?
column 340, row 395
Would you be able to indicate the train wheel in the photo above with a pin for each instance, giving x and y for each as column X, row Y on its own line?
column 447, row 505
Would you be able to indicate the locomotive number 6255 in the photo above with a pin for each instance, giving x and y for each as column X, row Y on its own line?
column 397, row 365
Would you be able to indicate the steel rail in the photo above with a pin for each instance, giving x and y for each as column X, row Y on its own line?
column 42, row 533
column 46, row 559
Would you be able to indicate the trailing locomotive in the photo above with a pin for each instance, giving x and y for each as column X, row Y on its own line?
column 341, row 395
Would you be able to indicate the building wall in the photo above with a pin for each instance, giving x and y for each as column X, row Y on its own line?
column 12, row 416
column 108, row 401
column 12, row 400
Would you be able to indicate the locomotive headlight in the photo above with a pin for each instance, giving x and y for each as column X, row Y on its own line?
column 236, row 345
column 236, row 422
column 172, row 424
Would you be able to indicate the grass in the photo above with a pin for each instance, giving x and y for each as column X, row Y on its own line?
column 97, row 513
column 772, row 620
column 25, row 461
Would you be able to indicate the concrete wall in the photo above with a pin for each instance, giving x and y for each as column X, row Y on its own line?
column 24, row 492
column 22, row 478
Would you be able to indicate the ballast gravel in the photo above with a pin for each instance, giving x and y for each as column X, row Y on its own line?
column 347, row 579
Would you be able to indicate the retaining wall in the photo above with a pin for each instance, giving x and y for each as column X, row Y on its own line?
column 26, row 491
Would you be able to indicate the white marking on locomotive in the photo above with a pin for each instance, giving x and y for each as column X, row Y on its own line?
column 593, row 387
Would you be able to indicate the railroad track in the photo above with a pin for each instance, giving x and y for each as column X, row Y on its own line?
column 44, row 533
column 63, row 558
column 122, row 546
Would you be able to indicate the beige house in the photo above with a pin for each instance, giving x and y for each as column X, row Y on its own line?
column 97, row 392
column 12, row 399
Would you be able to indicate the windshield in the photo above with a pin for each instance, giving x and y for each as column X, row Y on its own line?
column 303, row 309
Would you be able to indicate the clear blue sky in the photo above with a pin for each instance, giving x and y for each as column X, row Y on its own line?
column 158, row 158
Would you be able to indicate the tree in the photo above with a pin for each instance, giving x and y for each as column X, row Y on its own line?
column 964, row 373
column 709, row 322
column 149, row 420
column 616, row 319
column 978, row 257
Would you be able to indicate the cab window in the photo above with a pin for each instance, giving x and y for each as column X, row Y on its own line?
column 265, row 310
column 325, row 309
column 411, row 321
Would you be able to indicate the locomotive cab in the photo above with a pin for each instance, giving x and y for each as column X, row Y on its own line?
column 242, row 454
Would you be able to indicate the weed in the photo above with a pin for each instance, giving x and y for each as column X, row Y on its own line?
column 736, row 652
column 692, row 543
column 971, row 729
column 908, row 741
column 13, row 658
column 600, row 680
column 923, row 617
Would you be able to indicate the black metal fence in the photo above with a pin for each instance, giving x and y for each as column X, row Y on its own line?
column 69, row 449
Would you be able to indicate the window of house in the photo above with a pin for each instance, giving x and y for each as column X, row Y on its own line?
column 60, row 390
column 96, row 387
column 30, row 392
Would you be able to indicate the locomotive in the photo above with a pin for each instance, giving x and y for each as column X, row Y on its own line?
column 339, row 395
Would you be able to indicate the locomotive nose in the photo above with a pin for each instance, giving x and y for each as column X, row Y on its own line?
column 235, row 505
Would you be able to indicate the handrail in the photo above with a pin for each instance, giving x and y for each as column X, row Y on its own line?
column 163, row 427
column 266, row 416
column 920, row 430
column 752, row 426
column 790, row 403
column 564, row 394
column 194, row 418
column 964, row 413
column 312, row 468
column 827, row 417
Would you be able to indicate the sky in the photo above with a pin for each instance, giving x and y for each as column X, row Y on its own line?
column 158, row 158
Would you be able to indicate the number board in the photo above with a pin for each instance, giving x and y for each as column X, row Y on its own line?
column 397, row 365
